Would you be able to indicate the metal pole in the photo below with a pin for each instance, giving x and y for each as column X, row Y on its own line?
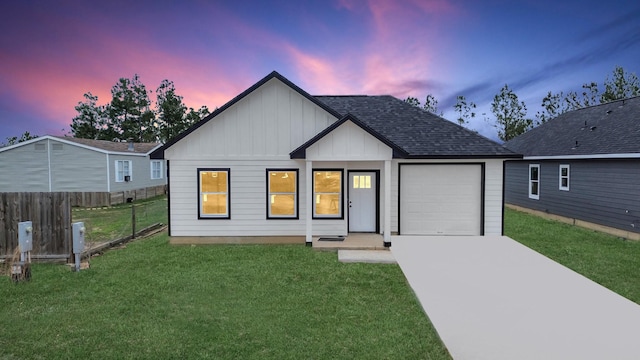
column 133, row 221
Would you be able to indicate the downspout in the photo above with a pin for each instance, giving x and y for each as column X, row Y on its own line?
column 108, row 176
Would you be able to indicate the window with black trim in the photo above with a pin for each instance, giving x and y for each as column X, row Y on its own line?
column 213, row 193
column 282, row 193
column 327, row 194
column 563, row 178
column 534, row 181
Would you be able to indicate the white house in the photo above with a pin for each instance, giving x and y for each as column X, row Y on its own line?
column 277, row 162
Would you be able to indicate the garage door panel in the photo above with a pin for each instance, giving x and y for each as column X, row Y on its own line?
column 440, row 199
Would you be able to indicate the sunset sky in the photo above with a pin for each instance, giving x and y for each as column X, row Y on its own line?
column 52, row 52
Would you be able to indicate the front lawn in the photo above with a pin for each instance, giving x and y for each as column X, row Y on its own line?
column 608, row 260
column 156, row 301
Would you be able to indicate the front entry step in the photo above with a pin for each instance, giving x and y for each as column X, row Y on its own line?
column 366, row 256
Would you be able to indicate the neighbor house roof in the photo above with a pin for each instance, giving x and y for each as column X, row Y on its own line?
column 104, row 146
column 601, row 131
column 410, row 131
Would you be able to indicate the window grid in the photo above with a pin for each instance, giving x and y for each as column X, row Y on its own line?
column 156, row 169
column 282, row 194
column 123, row 169
column 327, row 194
column 534, row 181
column 214, row 195
column 563, row 178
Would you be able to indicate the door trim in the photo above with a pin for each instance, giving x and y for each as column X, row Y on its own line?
column 377, row 190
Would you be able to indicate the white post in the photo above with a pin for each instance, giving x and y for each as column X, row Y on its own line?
column 309, row 202
column 387, row 203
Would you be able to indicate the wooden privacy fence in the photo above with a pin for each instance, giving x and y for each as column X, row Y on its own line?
column 97, row 199
column 50, row 213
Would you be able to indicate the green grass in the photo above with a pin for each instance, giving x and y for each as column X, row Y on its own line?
column 605, row 259
column 152, row 300
column 114, row 222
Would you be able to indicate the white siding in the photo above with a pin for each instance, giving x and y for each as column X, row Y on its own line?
column 492, row 195
column 269, row 123
column 248, row 201
column 349, row 142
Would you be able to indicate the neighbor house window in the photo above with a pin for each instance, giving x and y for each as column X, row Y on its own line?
column 156, row 169
column 327, row 194
column 213, row 193
column 123, row 170
column 563, row 180
column 282, row 194
column 534, row 181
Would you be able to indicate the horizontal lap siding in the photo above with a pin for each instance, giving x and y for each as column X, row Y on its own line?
column 605, row 192
column 248, row 202
column 77, row 169
column 25, row 168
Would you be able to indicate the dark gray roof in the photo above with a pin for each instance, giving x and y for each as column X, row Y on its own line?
column 419, row 133
column 611, row 128
column 409, row 130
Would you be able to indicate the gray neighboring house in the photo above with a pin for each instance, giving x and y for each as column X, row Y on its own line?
column 276, row 162
column 582, row 167
column 67, row 164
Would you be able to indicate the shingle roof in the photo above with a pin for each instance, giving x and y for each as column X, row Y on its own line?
column 419, row 133
column 111, row 146
column 611, row 128
column 414, row 132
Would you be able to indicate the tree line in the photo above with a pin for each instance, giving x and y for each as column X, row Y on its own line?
column 131, row 115
column 511, row 114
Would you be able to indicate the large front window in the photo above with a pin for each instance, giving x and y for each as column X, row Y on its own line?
column 213, row 192
column 534, row 181
column 327, row 194
column 282, row 194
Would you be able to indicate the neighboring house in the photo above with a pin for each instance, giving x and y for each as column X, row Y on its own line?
column 66, row 164
column 583, row 166
column 278, row 162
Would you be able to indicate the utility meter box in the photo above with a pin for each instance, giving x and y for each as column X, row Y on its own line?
column 25, row 236
column 78, row 237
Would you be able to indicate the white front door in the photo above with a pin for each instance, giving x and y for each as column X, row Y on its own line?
column 362, row 201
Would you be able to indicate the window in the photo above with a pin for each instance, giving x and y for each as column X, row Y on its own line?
column 123, row 170
column 534, row 181
column 327, row 194
column 156, row 169
column 213, row 194
column 282, row 193
column 563, row 181
column 362, row 181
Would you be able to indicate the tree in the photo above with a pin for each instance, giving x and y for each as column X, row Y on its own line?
column 510, row 114
column 91, row 123
column 412, row 101
column 622, row 85
column 431, row 105
column 170, row 110
column 24, row 137
column 130, row 111
column 464, row 110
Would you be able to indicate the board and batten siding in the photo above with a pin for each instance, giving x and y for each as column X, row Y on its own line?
column 349, row 142
column 492, row 191
column 604, row 192
column 25, row 167
column 268, row 123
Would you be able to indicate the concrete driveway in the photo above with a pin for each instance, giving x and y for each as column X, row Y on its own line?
column 493, row 298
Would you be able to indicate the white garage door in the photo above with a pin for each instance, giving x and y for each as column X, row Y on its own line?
column 440, row 199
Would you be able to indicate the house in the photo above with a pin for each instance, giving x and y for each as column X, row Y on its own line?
column 582, row 167
column 278, row 163
column 67, row 164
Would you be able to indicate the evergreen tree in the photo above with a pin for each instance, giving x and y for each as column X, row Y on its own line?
column 130, row 111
